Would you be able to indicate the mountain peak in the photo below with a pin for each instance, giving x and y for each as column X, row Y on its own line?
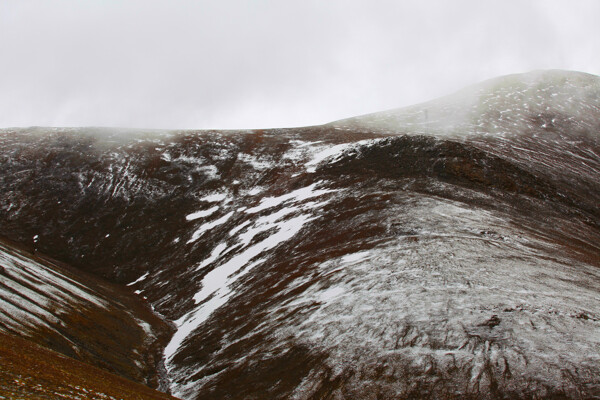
column 499, row 106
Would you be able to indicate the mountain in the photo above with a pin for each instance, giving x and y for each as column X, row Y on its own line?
column 446, row 250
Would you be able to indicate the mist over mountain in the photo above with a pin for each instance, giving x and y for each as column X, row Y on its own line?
column 446, row 250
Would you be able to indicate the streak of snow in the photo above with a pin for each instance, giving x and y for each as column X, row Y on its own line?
column 217, row 285
column 201, row 214
column 141, row 278
column 255, row 190
column 239, row 228
column 216, row 253
column 311, row 166
column 297, row 195
column 34, row 295
column 209, row 225
column 55, row 286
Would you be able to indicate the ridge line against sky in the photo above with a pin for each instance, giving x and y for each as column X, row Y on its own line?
column 259, row 64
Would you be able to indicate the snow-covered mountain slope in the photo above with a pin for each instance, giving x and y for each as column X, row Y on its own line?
column 539, row 102
column 448, row 250
column 79, row 316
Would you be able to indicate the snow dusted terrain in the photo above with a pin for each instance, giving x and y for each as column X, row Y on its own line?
column 78, row 316
column 446, row 250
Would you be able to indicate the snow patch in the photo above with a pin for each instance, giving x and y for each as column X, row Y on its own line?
column 297, row 195
column 212, row 198
column 141, row 278
column 201, row 214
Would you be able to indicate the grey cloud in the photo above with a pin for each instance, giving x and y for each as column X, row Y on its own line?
column 245, row 64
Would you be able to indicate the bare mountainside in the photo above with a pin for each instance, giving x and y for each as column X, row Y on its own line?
column 446, row 250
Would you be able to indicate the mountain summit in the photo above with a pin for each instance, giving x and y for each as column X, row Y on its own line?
column 445, row 250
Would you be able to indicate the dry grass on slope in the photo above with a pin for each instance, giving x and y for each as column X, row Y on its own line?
column 28, row 371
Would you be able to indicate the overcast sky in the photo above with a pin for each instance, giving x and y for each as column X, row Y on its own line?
column 269, row 63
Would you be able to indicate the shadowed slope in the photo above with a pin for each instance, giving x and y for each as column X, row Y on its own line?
column 79, row 316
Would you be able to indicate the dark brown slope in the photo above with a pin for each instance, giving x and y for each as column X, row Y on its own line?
column 29, row 371
column 80, row 316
